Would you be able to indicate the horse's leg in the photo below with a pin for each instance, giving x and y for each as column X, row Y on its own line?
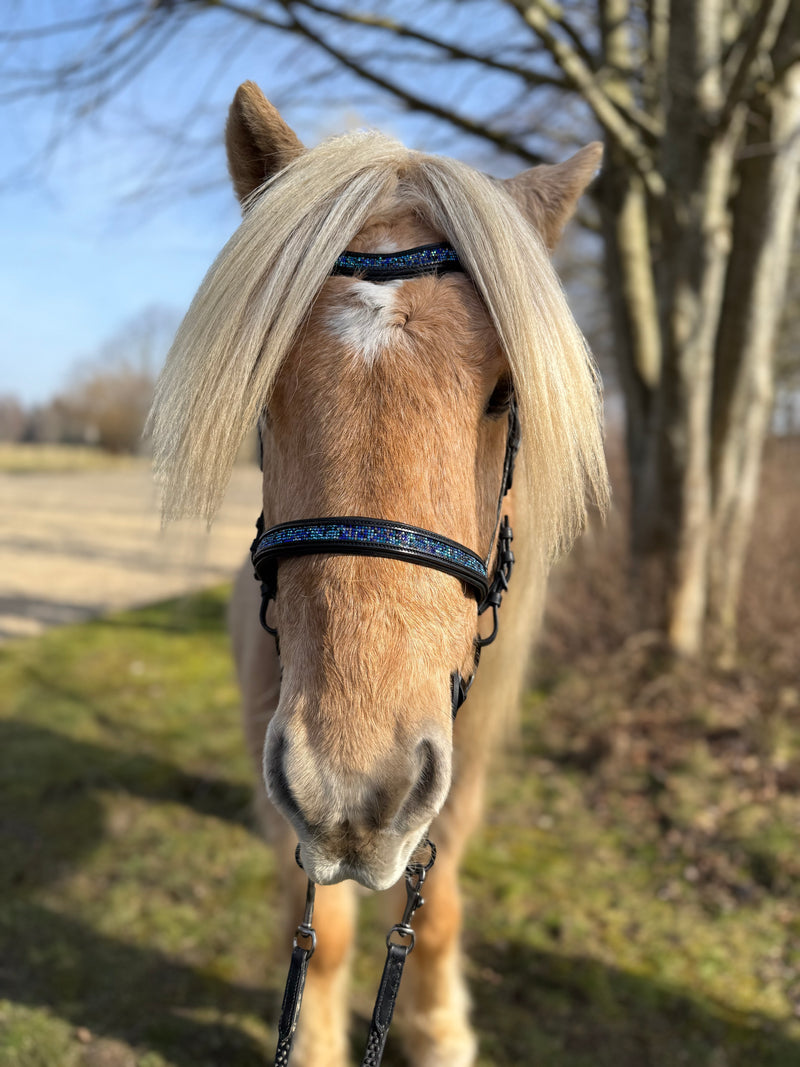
column 436, row 1003
column 435, row 1013
column 321, row 1039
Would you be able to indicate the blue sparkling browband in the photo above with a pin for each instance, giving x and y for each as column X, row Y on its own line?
column 388, row 266
column 359, row 536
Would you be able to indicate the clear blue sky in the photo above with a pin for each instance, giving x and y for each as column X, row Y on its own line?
column 95, row 235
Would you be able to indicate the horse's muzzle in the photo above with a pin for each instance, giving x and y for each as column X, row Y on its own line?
column 356, row 823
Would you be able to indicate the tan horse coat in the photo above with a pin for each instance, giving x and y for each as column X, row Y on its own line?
column 388, row 401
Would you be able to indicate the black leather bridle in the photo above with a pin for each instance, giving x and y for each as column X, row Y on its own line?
column 364, row 536
column 358, row 535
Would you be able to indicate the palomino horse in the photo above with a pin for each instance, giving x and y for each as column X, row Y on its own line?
column 387, row 399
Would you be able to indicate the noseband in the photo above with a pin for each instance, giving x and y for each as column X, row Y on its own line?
column 357, row 535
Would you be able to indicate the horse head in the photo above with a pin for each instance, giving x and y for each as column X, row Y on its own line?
column 388, row 400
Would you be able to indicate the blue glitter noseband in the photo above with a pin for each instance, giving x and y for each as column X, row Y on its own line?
column 356, row 535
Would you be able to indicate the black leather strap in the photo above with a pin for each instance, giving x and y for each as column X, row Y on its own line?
column 396, row 956
column 393, row 266
column 460, row 686
column 357, row 535
column 396, row 540
column 292, row 999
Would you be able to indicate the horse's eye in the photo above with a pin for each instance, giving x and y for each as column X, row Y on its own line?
column 500, row 400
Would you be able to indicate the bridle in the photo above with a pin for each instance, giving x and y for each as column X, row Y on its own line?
column 357, row 535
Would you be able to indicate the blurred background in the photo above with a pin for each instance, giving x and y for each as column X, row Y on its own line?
column 657, row 767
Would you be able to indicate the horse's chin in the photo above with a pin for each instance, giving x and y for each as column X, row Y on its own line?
column 376, row 873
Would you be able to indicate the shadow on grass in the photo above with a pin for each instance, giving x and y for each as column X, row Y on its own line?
column 195, row 613
column 48, row 815
column 202, row 612
column 531, row 1007
column 50, row 819
column 23, row 615
column 553, row 1010
column 545, row 1010
column 132, row 993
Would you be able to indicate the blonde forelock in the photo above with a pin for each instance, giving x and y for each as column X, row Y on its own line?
column 247, row 313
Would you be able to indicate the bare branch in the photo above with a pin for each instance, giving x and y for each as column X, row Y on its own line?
column 555, row 13
column 125, row 71
column 786, row 51
column 655, row 74
column 412, row 101
column 761, row 37
column 99, row 61
column 582, row 77
column 618, row 74
column 70, row 26
column 417, row 103
column 453, row 51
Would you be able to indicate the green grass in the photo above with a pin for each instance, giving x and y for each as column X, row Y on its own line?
column 620, row 912
column 33, row 459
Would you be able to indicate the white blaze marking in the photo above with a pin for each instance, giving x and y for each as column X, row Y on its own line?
column 367, row 324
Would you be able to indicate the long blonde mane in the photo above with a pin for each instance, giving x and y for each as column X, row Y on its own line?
column 222, row 366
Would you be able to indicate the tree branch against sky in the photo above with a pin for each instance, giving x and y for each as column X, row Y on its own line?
column 698, row 102
column 371, row 44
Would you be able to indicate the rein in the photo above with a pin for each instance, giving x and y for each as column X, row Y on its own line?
column 363, row 536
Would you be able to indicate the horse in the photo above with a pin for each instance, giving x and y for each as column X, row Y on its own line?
column 387, row 398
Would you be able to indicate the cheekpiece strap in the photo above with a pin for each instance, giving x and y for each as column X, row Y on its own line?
column 356, row 536
column 392, row 266
column 513, row 442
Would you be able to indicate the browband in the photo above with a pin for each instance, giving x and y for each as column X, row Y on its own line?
column 356, row 536
column 391, row 266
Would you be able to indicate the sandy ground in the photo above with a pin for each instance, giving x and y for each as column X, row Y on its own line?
column 76, row 545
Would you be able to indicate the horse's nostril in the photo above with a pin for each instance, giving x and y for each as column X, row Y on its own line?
column 349, row 809
column 428, row 775
column 424, row 794
column 278, row 788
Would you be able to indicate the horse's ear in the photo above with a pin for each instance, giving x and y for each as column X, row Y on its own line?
column 547, row 195
column 258, row 141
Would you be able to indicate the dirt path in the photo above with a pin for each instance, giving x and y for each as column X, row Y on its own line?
column 75, row 545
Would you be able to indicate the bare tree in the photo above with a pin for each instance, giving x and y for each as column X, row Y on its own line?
column 110, row 393
column 12, row 419
column 699, row 104
column 787, row 399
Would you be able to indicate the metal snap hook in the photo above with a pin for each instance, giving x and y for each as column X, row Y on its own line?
column 413, row 868
column 305, row 929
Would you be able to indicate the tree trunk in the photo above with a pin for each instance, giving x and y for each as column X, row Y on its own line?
column 696, row 367
column 695, row 232
column 693, row 288
column 699, row 104
column 764, row 213
column 630, row 252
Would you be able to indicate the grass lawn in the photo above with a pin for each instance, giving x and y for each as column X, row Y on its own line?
column 632, row 902
column 30, row 459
